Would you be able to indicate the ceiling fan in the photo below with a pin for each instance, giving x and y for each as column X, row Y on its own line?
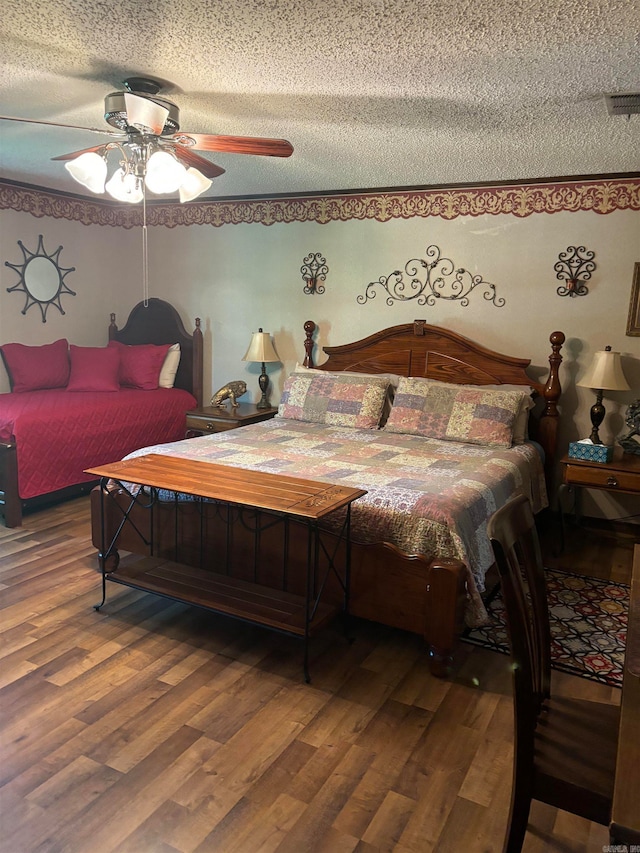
column 154, row 153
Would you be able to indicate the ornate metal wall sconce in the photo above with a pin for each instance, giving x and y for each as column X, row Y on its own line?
column 575, row 267
column 434, row 271
column 314, row 269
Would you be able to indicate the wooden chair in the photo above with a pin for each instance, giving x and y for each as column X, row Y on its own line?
column 565, row 749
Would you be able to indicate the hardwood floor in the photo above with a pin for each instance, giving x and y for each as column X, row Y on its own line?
column 151, row 727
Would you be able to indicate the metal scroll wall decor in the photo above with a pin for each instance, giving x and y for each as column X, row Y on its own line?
column 575, row 267
column 314, row 269
column 430, row 279
column 41, row 278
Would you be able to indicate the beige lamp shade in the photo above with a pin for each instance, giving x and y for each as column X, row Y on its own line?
column 605, row 372
column 261, row 348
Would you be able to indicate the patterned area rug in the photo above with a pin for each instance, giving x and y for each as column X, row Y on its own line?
column 588, row 626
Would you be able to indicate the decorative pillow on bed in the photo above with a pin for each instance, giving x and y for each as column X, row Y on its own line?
column 521, row 425
column 334, row 399
column 472, row 414
column 33, row 368
column 392, row 379
column 140, row 365
column 94, row 369
column 170, row 367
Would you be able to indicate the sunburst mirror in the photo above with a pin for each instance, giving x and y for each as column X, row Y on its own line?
column 41, row 278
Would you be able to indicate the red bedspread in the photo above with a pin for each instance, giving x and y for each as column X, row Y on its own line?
column 59, row 433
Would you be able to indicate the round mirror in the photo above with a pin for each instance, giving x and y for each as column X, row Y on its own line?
column 41, row 278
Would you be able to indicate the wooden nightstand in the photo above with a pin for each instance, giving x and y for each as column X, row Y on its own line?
column 621, row 475
column 213, row 419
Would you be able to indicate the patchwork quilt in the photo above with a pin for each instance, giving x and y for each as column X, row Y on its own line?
column 425, row 496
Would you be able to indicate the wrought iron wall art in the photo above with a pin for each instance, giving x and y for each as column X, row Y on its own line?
column 431, row 279
column 314, row 269
column 41, row 278
column 575, row 267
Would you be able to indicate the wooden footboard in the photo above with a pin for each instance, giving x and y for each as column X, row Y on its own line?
column 425, row 597
column 10, row 504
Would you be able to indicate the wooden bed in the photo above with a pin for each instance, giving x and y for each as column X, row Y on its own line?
column 156, row 323
column 407, row 591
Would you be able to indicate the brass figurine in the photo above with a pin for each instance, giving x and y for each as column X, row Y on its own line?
column 230, row 391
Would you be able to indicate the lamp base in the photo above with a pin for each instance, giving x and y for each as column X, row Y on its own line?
column 263, row 382
column 597, row 416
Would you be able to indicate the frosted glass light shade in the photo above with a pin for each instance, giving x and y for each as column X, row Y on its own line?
column 261, row 348
column 90, row 170
column 605, row 373
column 124, row 187
column 193, row 185
column 165, row 174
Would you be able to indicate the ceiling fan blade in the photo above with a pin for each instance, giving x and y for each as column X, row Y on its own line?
column 235, row 144
column 58, row 124
column 74, row 154
column 189, row 158
column 145, row 114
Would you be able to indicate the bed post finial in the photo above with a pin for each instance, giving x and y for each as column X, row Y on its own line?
column 309, row 329
column 418, row 328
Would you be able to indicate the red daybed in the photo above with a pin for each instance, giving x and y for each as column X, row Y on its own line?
column 49, row 437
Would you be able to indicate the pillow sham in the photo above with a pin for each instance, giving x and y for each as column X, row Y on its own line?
column 471, row 414
column 334, row 399
column 170, row 367
column 32, row 368
column 94, row 369
column 392, row 379
column 521, row 426
column 140, row 364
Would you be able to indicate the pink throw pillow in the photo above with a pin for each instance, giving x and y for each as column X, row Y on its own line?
column 31, row 368
column 140, row 365
column 93, row 369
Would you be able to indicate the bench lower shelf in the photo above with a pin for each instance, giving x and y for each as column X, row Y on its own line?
column 240, row 599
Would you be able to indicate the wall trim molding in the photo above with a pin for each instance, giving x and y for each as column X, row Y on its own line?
column 597, row 194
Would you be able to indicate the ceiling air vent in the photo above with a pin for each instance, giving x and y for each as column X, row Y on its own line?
column 623, row 105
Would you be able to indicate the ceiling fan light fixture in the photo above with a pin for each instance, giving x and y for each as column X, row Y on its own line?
column 164, row 174
column 90, row 170
column 193, row 185
column 124, row 186
column 145, row 114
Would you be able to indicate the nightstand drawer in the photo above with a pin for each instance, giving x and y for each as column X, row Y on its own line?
column 212, row 419
column 608, row 477
column 208, row 425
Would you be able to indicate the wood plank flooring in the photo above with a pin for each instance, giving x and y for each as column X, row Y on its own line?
column 152, row 727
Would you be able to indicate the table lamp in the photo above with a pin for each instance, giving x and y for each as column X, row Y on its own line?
column 604, row 374
column 261, row 350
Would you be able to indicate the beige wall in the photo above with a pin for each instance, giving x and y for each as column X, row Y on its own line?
column 239, row 277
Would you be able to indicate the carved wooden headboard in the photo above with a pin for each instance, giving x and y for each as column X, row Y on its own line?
column 158, row 322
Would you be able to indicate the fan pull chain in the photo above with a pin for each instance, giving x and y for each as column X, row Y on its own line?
column 145, row 251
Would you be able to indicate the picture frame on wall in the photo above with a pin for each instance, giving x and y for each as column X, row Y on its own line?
column 633, row 323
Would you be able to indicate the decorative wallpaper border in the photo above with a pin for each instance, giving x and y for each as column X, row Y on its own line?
column 600, row 196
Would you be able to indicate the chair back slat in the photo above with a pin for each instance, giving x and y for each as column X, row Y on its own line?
column 515, row 543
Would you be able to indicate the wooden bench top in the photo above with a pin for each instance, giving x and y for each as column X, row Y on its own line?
column 276, row 492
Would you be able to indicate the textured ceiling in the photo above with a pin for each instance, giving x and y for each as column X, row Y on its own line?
column 371, row 93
